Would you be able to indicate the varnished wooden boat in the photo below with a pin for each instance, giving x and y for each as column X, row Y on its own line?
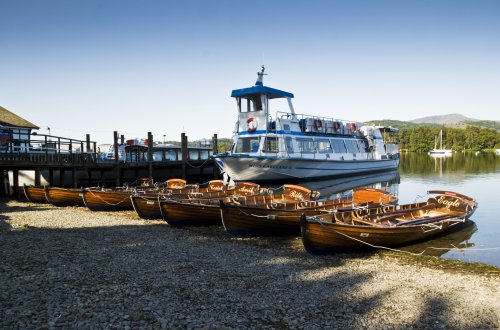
column 274, row 215
column 147, row 204
column 64, row 196
column 112, row 199
column 407, row 223
column 205, row 211
column 35, row 194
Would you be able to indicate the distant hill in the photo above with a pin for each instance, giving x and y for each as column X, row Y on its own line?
column 452, row 120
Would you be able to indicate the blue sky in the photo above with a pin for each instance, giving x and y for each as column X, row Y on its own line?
column 169, row 66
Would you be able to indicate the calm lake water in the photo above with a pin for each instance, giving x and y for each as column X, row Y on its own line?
column 474, row 175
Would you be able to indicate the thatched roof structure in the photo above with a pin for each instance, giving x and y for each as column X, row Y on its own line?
column 8, row 118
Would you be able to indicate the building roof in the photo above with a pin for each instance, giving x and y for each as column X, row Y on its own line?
column 8, row 118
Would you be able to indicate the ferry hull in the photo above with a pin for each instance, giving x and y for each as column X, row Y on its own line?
column 265, row 169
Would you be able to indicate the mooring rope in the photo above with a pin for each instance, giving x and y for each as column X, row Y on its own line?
column 106, row 202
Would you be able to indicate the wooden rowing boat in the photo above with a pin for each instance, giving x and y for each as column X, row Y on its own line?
column 64, row 196
column 146, row 204
column 110, row 199
column 382, row 227
column 272, row 215
column 205, row 211
column 35, row 194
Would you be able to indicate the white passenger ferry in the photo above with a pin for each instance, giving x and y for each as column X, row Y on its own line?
column 284, row 145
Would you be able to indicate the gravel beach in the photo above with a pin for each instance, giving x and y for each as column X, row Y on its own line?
column 73, row 268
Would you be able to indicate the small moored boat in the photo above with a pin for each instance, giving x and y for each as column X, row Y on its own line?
column 35, row 194
column 274, row 215
column 204, row 211
column 146, row 204
column 386, row 227
column 64, row 196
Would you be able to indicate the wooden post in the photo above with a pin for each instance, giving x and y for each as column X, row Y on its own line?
column 74, row 179
column 88, row 143
column 61, row 176
column 215, row 150
column 117, row 161
column 150, row 155
column 15, row 183
column 184, row 154
column 38, row 181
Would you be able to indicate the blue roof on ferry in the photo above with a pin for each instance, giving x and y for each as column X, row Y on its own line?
column 272, row 93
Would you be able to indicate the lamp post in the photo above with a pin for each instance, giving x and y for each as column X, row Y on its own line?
column 48, row 129
column 164, row 135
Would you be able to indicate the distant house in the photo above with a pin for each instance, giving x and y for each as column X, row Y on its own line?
column 14, row 131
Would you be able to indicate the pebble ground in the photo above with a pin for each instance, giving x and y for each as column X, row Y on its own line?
column 73, row 268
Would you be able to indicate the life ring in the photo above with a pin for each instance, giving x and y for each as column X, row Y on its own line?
column 318, row 124
column 251, row 125
column 353, row 127
column 336, row 126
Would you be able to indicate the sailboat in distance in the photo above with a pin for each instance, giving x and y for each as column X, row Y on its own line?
column 440, row 151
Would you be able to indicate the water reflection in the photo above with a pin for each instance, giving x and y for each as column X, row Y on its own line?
column 460, row 162
column 457, row 239
column 333, row 188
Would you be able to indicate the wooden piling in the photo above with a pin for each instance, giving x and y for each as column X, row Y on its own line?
column 117, row 160
column 184, row 153
column 150, row 155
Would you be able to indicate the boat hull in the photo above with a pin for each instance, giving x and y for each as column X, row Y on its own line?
column 107, row 200
column 35, row 194
column 146, row 207
column 322, row 237
column 179, row 213
column 64, row 197
column 241, row 168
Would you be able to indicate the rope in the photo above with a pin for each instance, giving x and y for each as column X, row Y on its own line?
column 206, row 160
column 106, row 202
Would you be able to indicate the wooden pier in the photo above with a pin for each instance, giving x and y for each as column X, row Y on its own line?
column 74, row 163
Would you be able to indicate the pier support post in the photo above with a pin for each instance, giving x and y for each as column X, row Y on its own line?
column 38, row 180
column 184, row 153
column 15, row 183
column 117, row 161
column 215, row 150
column 88, row 143
column 150, row 155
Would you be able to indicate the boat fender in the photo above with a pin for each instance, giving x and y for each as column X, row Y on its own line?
column 251, row 125
column 336, row 126
column 318, row 124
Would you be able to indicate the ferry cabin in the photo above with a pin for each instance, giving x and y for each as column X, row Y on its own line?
column 290, row 135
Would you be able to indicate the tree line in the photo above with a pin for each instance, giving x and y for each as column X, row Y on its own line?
column 472, row 138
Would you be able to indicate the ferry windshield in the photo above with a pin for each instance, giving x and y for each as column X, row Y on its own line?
column 247, row 144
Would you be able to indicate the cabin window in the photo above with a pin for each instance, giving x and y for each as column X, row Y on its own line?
column 271, row 144
column 247, row 144
column 363, row 145
column 158, row 156
column 323, row 146
column 289, row 144
column 171, row 155
column 305, row 145
column 193, row 155
column 352, row 146
column 251, row 103
column 339, row 146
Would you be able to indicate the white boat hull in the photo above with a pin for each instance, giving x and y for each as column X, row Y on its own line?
column 267, row 169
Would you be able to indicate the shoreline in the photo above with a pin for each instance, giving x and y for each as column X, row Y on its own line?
column 70, row 267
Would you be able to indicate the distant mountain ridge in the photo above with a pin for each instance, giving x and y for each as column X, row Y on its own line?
column 451, row 120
